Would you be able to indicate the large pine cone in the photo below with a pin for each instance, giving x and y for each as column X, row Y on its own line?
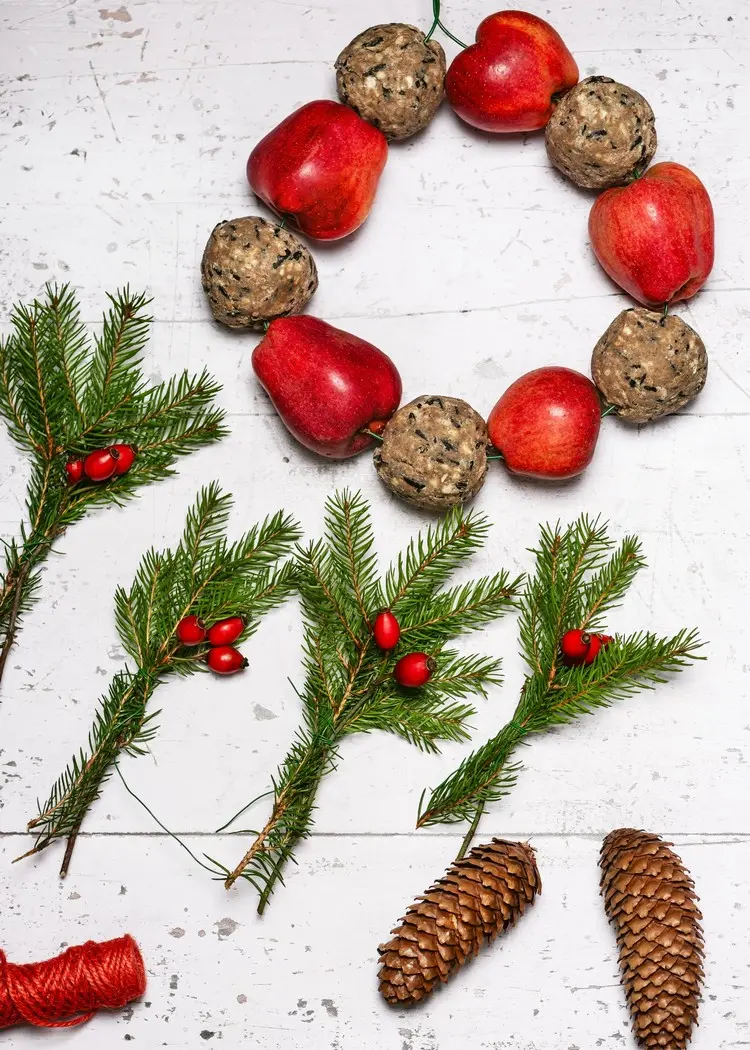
column 650, row 898
column 477, row 898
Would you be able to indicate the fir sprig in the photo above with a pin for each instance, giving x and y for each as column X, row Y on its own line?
column 580, row 576
column 63, row 394
column 205, row 575
column 349, row 686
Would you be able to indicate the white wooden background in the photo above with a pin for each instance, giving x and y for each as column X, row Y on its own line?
column 124, row 136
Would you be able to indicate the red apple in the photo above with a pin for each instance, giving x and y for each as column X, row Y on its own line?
column 546, row 423
column 327, row 385
column 655, row 237
column 505, row 82
column 320, row 169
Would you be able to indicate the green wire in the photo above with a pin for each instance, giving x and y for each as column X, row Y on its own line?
column 436, row 19
column 436, row 22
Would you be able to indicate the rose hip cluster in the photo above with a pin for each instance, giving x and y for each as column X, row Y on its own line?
column 651, row 229
column 580, row 648
column 101, row 464
column 413, row 670
column 222, row 657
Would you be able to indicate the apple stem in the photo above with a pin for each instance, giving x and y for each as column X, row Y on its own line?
column 608, row 411
column 498, row 456
column 372, row 434
column 635, row 174
column 666, row 309
column 436, row 22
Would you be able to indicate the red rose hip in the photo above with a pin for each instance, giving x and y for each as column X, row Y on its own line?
column 574, row 646
column 546, row 424
column 320, row 167
column 386, row 630
column 594, row 649
column 125, row 458
column 414, row 670
column 580, row 647
column 225, row 632
column 74, row 471
column 101, row 464
column 225, row 659
column 507, row 79
column 191, row 630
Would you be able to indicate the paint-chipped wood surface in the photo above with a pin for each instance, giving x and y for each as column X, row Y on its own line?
column 123, row 138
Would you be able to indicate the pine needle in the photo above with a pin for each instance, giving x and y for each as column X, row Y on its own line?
column 349, row 686
column 203, row 575
column 63, row 395
column 580, row 576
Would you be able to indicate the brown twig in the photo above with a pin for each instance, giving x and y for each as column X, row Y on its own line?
column 69, row 851
column 471, row 832
column 261, row 845
column 10, row 634
column 257, row 846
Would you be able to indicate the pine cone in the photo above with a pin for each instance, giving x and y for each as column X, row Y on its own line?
column 477, row 898
column 650, row 898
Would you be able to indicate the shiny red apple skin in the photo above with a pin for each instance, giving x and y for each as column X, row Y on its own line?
column 546, row 424
column 655, row 237
column 506, row 80
column 327, row 385
column 320, row 169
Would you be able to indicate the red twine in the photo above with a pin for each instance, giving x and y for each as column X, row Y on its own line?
column 69, row 989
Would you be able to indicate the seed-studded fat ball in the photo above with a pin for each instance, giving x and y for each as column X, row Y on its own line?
column 434, row 452
column 649, row 365
column 393, row 77
column 601, row 134
column 254, row 270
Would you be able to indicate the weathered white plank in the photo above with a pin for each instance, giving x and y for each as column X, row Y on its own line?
column 124, row 131
column 691, row 776
column 64, row 40
column 305, row 974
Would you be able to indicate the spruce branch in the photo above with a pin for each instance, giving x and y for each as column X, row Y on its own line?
column 204, row 575
column 62, row 395
column 349, row 686
column 580, row 576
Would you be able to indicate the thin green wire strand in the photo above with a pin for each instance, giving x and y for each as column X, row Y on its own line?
column 452, row 37
column 436, row 18
column 164, row 828
column 436, row 22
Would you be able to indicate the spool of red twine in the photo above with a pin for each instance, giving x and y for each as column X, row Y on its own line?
column 69, row 989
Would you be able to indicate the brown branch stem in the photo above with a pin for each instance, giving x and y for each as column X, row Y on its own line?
column 33, row 551
column 10, row 634
column 72, row 838
column 257, row 846
column 318, row 757
column 471, row 832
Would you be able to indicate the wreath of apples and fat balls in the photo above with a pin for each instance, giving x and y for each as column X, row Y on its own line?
column 651, row 230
